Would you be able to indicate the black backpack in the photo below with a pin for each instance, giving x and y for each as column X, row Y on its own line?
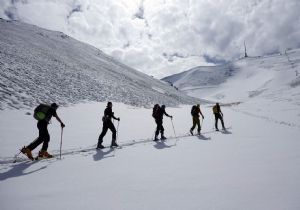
column 155, row 111
column 194, row 110
column 41, row 112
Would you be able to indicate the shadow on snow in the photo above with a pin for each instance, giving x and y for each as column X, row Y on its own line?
column 225, row 132
column 18, row 170
column 100, row 154
column 202, row 137
column 162, row 145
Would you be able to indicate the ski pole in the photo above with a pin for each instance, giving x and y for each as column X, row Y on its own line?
column 61, row 135
column 223, row 122
column 174, row 131
column 117, row 135
column 117, row 131
column 16, row 157
column 154, row 134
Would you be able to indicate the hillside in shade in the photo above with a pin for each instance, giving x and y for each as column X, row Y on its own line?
column 38, row 65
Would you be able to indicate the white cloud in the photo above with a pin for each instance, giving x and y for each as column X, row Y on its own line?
column 161, row 37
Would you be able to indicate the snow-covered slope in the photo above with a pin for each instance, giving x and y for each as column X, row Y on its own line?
column 38, row 65
column 208, row 76
column 267, row 87
column 242, row 168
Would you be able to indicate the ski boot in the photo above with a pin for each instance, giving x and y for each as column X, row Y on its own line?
column 100, row 146
column 114, row 144
column 163, row 138
column 191, row 131
column 27, row 152
column 44, row 154
column 155, row 138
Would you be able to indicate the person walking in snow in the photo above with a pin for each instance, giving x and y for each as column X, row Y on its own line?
column 107, row 124
column 158, row 114
column 218, row 115
column 196, row 112
column 43, row 113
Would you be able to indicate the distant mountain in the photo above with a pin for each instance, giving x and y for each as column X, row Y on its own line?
column 38, row 65
column 243, row 79
column 267, row 87
column 201, row 76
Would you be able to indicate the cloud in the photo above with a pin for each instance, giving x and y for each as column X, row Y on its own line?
column 161, row 37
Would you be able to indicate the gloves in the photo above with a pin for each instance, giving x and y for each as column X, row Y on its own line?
column 171, row 117
column 62, row 125
column 118, row 119
column 203, row 117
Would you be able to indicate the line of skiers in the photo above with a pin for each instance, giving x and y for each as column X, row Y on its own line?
column 43, row 114
column 196, row 112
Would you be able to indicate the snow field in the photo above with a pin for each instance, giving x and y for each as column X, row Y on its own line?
column 255, row 165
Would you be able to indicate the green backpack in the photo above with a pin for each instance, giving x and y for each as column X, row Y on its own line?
column 41, row 112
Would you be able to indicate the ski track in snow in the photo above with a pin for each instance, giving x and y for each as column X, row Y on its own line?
column 289, row 124
column 56, row 154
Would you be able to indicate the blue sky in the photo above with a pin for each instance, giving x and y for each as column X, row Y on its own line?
column 163, row 37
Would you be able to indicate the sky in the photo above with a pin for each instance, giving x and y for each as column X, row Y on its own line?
column 164, row 37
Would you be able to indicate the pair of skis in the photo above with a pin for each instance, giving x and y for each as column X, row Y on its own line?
column 34, row 158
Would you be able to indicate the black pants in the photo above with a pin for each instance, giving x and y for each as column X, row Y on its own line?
column 196, row 121
column 108, row 125
column 159, row 127
column 217, row 117
column 44, row 136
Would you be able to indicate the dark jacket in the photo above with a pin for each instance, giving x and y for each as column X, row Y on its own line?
column 108, row 114
column 196, row 112
column 161, row 113
column 51, row 112
column 217, row 109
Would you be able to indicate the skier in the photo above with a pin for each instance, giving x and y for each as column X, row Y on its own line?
column 44, row 137
column 196, row 121
column 107, row 124
column 218, row 115
column 158, row 113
